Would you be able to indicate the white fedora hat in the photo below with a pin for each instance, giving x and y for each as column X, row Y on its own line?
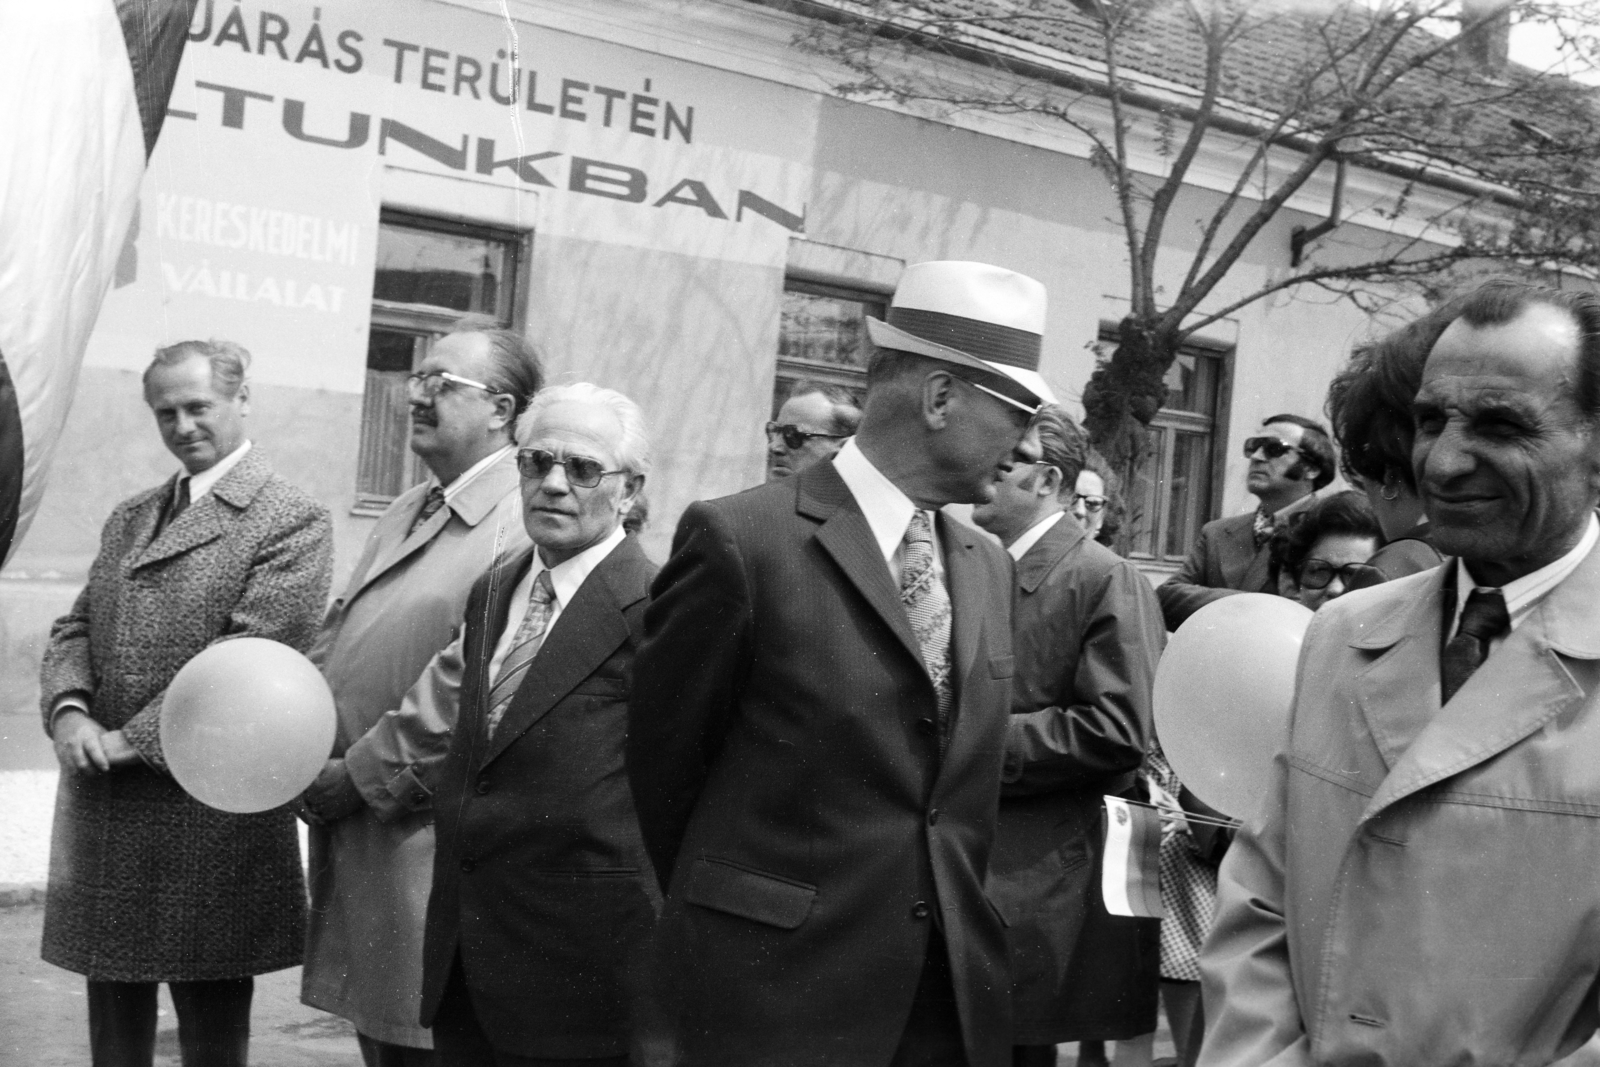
column 973, row 315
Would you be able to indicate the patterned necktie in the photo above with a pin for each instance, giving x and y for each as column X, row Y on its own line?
column 1483, row 619
column 524, row 646
column 928, row 607
column 430, row 506
column 1264, row 527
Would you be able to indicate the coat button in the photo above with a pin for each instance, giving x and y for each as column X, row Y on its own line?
column 927, row 726
column 920, row 910
column 482, row 787
column 933, row 816
column 466, row 866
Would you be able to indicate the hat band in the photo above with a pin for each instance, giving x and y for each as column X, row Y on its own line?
column 986, row 340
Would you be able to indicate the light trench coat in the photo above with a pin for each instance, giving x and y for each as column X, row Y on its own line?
column 371, row 872
column 1423, row 885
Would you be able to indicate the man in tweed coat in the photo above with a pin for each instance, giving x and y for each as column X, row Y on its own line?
column 148, row 885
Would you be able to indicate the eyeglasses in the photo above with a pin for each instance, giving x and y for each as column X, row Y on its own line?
column 430, row 385
column 1271, row 446
column 1092, row 504
column 794, row 437
column 1317, row 573
column 535, row 464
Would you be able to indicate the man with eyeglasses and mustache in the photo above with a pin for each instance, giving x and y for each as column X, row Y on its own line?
column 1290, row 459
column 371, row 809
column 812, row 425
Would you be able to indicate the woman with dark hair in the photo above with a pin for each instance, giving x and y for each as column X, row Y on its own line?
column 1097, row 499
column 1369, row 404
column 1325, row 550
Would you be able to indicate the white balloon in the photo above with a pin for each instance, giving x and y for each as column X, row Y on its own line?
column 247, row 724
column 1222, row 696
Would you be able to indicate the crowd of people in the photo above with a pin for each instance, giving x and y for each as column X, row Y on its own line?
column 826, row 788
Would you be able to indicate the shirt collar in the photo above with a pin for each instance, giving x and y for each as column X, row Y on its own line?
column 888, row 511
column 1523, row 594
column 202, row 483
column 1020, row 546
column 567, row 577
column 466, row 477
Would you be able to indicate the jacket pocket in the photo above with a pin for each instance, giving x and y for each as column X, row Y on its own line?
column 748, row 893
column 1002, row 666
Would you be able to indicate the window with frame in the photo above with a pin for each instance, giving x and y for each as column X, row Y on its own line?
column 822, row 336
column 1173, row 493
column 430, row 273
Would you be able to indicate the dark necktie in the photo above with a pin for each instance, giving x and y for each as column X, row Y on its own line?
column 430, row 506
column 1482, row 620
column 176, row 506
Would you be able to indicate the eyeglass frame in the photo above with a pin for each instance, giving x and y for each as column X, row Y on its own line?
column 415, row 386
column 1087, row 500
column 787, row 429
column 1347, row 572
column 1268, row 443
column 526, row 455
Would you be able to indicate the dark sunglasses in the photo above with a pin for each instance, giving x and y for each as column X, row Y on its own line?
column 1271, row 446
column 794, row 437
column 535, row 464
column 1092, row 504
column 1317, row 573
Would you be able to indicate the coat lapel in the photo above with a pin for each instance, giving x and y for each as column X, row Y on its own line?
column 846, row 536
column 1037, row 563
column 1525, row 683
column 205, row 520
column 585, row 635
column 1399, row 691
column 964, row 575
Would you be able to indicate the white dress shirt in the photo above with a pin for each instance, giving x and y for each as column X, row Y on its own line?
column 202, row 483
column 565, row 579
column 1525, row 593
column 887, row 509
column 1020, row 546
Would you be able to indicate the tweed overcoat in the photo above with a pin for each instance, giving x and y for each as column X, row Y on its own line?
column 1419, row 886
column 1087, row 634
column 146, row 883
column 370, row 872
column 784, row 750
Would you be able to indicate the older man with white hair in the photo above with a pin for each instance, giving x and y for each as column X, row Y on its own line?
column 542, row 892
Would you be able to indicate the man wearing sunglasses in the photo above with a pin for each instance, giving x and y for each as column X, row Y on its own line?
column 812, row 425
column 819, row 711
column 372, row 807
column 1290, row 459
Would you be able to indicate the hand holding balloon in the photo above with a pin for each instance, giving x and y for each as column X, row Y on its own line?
column 1222, row 695
column 247, row 724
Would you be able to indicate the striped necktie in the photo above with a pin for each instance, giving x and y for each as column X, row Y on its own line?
column 525, row 646
column 430, row 506
column 927, row 605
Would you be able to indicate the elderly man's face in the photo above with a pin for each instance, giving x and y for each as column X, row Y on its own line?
column 563, row 519
column 198, row 424
column 809, row 413
column 980, row 435
column 1504, row 458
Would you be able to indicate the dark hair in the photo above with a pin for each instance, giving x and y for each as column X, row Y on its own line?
column 1062, row 443
column 516, row 365
column 1501, row 300
column 229, row 362
column 1115, row 510
column 1345, row 512
column 1369, row 401
column 1315, row 448
column 846, row 405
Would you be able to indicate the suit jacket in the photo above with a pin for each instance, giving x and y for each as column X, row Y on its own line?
column 370, row 872
column 541, row 885
column 1087, row 634
column 147, row 883
column 1224, row 560
column 1419, row 887
column 784, row 754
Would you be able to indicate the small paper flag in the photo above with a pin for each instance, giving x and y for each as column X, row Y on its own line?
column 1130, row 876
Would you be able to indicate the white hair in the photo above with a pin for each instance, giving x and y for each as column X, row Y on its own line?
column 633, row 451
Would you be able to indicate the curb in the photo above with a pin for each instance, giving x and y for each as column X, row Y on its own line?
column 21, row 894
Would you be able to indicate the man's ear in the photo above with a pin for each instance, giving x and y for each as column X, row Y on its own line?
column 632, row 486
column 1050, row 481
column 938, row 390
column 243, row 397
column 505, row 412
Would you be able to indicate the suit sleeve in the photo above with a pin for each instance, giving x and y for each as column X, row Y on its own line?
column 395, row 764
column 1253, row 1016
column 686, row 679
column 1104, row 732
column 284, row 595
column 1189, row 590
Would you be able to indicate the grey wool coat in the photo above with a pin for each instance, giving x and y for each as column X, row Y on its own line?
column 146, row 883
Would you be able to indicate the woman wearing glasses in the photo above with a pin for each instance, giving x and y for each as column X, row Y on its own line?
column 1323, row 552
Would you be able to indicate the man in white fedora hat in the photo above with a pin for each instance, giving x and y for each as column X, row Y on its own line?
column 818, row 716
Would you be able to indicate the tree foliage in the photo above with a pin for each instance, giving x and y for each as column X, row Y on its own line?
column 1491, row 163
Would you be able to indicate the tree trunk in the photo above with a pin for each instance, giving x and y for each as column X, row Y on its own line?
column 1123, row 394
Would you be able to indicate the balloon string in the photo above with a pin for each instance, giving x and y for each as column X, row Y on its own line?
column 1203, row 820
